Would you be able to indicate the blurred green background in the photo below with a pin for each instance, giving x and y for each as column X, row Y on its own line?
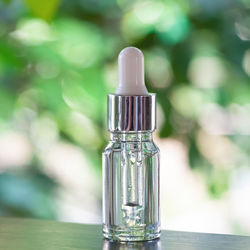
column 58, row 61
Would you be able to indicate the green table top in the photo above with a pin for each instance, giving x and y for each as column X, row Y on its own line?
column 34, row 234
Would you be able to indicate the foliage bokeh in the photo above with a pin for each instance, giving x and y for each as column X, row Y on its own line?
column 58, row 61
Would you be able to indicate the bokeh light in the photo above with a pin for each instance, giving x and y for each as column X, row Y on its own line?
column 58, row 62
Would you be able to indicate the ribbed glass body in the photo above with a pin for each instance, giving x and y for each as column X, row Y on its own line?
column 131, row 210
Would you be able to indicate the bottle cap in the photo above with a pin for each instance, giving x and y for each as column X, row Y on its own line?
column 131, row 108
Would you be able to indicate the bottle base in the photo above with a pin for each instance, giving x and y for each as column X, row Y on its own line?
column 137, row 233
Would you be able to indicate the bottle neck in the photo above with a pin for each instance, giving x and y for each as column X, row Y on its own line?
column 131, row 136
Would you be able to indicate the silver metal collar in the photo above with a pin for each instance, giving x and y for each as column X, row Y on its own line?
column 131, row 113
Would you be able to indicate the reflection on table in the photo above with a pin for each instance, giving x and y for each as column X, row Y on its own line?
column 139, row 245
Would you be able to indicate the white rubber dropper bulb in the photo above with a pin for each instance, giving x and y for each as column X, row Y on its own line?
column 131, row 72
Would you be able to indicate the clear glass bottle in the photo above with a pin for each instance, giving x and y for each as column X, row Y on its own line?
column 131, row 209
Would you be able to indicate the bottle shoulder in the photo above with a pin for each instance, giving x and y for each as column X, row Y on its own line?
column 148, row 147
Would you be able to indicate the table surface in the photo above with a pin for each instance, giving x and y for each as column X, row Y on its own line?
column 20, row 234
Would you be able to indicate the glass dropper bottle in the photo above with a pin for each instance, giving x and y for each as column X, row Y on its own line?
column 131, row 209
